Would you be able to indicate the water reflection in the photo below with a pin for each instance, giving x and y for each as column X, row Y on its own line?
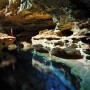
column 21, row 74
column 7, row 59
column 56, row 80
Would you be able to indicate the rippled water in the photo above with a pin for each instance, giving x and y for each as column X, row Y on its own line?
column 22, row 70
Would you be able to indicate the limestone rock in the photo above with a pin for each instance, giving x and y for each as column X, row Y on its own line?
column 62, row 46
column 5, row 40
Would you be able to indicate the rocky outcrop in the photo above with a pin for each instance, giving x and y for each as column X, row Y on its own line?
column 27, row 21
column 70, row 47
column 5, row 40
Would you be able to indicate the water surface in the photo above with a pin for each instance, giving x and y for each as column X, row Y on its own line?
column 18, row 73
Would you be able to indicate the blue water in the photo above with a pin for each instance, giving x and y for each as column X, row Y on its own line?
column 54, row 78
column 25, row 76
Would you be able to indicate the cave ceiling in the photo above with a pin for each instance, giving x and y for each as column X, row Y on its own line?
column 80, row 8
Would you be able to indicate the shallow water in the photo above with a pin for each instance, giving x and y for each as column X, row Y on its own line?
column 19, row 73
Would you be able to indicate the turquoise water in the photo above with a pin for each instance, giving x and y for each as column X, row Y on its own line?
column 21, row 74
column 56, row 79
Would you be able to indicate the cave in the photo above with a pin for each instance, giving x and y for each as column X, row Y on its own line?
column 44, row 45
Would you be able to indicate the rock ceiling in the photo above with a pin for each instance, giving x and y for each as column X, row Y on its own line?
column 81, row 7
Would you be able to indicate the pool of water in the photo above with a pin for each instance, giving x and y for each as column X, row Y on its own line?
column 21, row 70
